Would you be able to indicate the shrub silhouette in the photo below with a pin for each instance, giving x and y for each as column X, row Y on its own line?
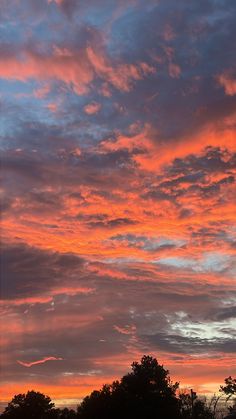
column 66, row 413
column 192, row 407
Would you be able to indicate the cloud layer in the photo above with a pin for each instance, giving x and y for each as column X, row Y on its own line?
column 118, row 191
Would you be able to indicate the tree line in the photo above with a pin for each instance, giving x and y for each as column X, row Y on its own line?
column 146, row 392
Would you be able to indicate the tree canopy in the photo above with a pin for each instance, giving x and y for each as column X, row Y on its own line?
column 146, row 392
column 32, row 405
column 230, row 387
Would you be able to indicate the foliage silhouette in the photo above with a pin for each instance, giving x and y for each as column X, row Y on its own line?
column 33, row 405
column 66, row 413
column 230, row 387
column 192, row 407
column 146, row 392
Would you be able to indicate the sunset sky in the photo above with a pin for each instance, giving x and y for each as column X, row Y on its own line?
column 118, row 158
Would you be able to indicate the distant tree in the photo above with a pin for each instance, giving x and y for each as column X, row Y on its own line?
column 66, row 413
column 147, row 392
column 230, row 387
column 32, row 405
column 213, row 405
column 201, row 411
column 192, row 407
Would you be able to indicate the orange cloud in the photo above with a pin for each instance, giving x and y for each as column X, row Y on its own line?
column 228, row 82
column 92, row 108
column 52, row 107
column 64, row 65
column 174, row 70
column 120, row 76
column 160, row 153
column 72, row 67
column 41, row 92
column 127, row 330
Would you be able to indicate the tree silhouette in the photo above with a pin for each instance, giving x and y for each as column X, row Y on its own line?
column 66, row 413
column 33, row 405
column 230, row 387
column 147, row 392
column 192, row 407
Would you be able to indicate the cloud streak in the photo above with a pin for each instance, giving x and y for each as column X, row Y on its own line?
column 39, row 361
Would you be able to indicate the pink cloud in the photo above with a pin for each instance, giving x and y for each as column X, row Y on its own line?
column 41, row 92
column 168, row 33
column 52, row 107
column 127, row 330
column 75, row 68
column 41, row 299
column 92, row 108
column 40, row 361
column 174, row 70
column 70, row 67
column 227, row 81
column 56, row 1
column 120, row 76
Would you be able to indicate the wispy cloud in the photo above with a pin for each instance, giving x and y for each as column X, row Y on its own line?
column 39, row 361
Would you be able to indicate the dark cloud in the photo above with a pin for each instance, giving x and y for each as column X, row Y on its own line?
column 191, row 345
column 225, row 313
column 190, row 176
column 149, row 244
column 29, row 271
column 213, row 160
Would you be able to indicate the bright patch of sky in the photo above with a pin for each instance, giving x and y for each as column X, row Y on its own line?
column 202, row 330
column 209, row 262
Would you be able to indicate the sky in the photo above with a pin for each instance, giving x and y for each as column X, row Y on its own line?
column 118, row 158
